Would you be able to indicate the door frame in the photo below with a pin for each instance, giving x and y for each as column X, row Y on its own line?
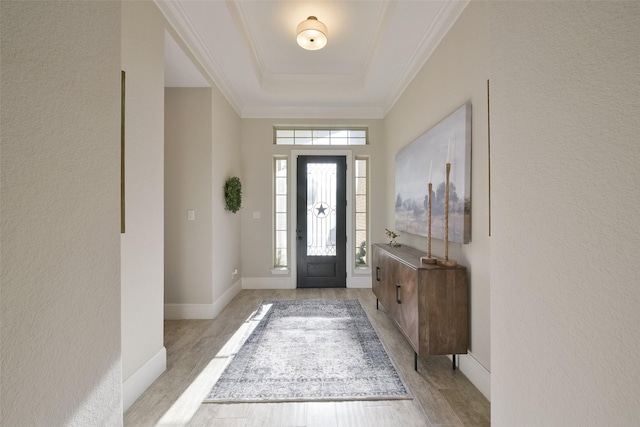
column 293, row 218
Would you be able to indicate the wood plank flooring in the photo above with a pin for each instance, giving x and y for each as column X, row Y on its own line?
column 196, row 353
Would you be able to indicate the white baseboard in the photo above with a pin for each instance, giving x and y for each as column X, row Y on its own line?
column 219, row 304
column 268, row 283
column 201, row 311
column 289, row 283
column 143, row 377
column 188, row 311
column 476, row 373
column 362, row 282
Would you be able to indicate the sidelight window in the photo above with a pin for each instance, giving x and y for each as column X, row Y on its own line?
column 361, row 187
column 280, row 185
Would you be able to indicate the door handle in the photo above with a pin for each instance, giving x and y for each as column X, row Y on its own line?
column 397, row 291
column 378, row 274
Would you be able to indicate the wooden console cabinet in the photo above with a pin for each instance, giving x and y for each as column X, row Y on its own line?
column 429, row 303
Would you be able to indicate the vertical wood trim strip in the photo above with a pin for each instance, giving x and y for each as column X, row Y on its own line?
column 489, row 149
column 122, row 146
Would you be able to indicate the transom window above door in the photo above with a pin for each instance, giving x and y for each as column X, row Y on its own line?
column 320, row 136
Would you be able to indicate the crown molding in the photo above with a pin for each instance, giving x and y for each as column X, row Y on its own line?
column 257, row 112
column 181, row 24
column 447, row 15
column 374, row 48
column 237, row 12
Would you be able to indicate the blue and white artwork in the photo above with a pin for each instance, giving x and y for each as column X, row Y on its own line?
column 424, row 161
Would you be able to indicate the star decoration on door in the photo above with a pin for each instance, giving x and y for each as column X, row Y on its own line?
column 321, row 210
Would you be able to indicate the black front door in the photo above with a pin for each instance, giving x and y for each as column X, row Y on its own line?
column 321, row 225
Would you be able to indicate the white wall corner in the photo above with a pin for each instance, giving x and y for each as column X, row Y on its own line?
column 219, row 304
column 479, row 376
column 268, row 283
column 143, row 377
column 201, row 311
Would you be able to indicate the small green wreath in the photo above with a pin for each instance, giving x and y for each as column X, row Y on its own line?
column 233, row 194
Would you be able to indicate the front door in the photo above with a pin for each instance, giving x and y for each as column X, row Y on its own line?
column 321, row 222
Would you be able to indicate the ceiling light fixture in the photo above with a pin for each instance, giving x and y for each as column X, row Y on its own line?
column 312, row 34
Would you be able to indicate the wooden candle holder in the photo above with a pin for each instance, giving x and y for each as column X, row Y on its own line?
column 429, row 259
column 446, row 262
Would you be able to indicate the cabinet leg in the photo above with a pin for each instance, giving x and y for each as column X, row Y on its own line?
column 415, row 361
column 453, row 358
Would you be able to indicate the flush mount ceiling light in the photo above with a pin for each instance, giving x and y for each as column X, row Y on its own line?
column 312, row 34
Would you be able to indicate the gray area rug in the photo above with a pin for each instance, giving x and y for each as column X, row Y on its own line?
column 307, row 350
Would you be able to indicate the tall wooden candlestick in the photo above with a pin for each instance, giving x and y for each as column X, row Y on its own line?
column 429, row 221
column 446, row 214
column 429, row 259
column 446, row 261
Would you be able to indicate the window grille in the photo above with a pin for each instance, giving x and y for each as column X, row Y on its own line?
column 333, row 137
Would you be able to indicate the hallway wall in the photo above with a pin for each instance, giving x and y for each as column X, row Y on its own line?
column 143, row 353
column 188, row 244
column 202, row 151
column 143, row 257
column 565, row 275
column 60, row 342
column 456, row 73
column 226, row 162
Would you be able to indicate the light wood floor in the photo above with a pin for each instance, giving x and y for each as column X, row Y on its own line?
column 196, row 351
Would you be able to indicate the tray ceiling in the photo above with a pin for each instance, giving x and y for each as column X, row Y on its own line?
column 249, row 50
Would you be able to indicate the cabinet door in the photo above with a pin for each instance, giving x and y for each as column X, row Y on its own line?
column 444, row 310
column 376, row 277
column 382, row 278
column 406, row 306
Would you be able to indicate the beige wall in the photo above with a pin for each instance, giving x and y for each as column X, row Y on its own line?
column 60, row 215
column 188, row 187
column 202, row 151
column 204, row 293
column 455, row 74
column 143, row 357
column 565, row 277
column 258, row 151
column 225, row 162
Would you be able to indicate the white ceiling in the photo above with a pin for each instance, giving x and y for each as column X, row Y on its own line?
column 248, row 49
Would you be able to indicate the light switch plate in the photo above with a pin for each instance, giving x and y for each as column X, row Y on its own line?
column 256, row 215
column 191, row 215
